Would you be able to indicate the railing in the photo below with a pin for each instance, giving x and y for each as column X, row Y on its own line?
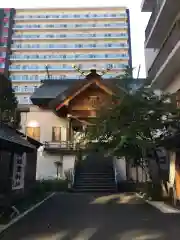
column 153, row 17
column 61, row 68
column 69, row 36
column 31, row 78
column 65, row 145
column 71, row 16
column 60, row 145
column 165, row 50
column 66, row 57
column 69, row 26
column 70, row 46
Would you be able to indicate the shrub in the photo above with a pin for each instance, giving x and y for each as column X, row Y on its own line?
column 51, row 186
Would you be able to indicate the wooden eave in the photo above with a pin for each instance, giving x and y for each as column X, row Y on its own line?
column 83, row 88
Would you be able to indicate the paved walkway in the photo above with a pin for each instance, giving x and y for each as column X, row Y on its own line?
column 95, row 217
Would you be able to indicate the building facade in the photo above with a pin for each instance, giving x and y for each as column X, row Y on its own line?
column 162, row 44
column 67, row 106
column 56, row 39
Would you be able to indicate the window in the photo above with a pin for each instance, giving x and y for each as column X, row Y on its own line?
column 15, row 88
column 33, row 132
column 56, row 134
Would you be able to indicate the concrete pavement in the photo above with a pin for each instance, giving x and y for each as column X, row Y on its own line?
column 95, row 217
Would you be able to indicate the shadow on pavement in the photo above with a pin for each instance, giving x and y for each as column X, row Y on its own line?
column 95, row 217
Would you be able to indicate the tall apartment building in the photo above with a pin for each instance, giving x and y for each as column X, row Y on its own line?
column 60, row 38
column 162, row 44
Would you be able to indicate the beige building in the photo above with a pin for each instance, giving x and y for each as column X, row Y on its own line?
column 61, row 37
column 39, row 124
column 162, row 44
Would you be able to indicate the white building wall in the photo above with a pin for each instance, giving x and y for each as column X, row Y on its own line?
column 132, row 174
column 174, row 85
column 68, row 163
column 45, row 119
column 150, row 55
column 120, row 165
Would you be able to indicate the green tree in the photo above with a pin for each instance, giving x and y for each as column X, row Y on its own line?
column 136, row 123
column 8, row 103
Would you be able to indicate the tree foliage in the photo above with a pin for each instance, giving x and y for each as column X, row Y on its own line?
column 8, row 103
column 136, row 123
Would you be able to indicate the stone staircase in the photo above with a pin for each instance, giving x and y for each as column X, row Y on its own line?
column 95, row 174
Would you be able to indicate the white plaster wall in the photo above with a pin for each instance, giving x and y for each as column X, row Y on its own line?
column 120, row 165
column 46, row 120
column 174, row 85
column 46, row 168
column 137, row 174
column 68, row 163
column 150, row 55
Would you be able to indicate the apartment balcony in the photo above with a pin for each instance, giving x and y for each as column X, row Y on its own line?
column 36, row 68
column 166, row 63
column 69, row 26
column 162, row 18
column 86, row 36
column 147, row 5
column 65, row 57
column 41, row 47
column 23, row 90
column 70, row 16
column 24, row 100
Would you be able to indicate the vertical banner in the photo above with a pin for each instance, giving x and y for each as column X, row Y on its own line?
column 18, row 171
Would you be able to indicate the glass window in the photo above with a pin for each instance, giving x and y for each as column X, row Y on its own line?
column 56, row 134
column 15, row 88
column 33, row 132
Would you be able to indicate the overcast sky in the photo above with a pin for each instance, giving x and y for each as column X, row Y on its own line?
column 138, row 20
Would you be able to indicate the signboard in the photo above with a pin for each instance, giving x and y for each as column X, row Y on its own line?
column 19, row 171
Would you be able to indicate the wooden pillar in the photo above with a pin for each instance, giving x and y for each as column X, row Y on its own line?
column 69, row 129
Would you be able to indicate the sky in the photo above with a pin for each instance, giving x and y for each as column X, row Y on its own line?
column 139, row 20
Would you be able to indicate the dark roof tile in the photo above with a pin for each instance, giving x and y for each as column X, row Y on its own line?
column 9, row 134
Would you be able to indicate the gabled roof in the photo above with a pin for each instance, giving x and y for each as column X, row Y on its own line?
column 10, row 135
column 33, row 141
column 75, row 90
column 53, row 92
column 50, row 89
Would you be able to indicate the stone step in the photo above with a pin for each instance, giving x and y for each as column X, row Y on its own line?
column 95, row 173
column 96, row 190
column 93, row 183
column 99, row 180
column 94, row 179
column 95, row 170
column 96, row 186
